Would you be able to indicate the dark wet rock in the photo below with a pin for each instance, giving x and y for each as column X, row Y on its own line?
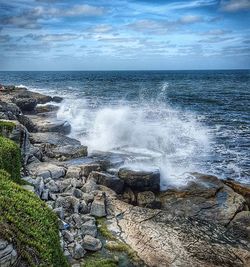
column 46, row 108
column 140, row 180
column 25, row 103
column 106, row 179
column 27, row 122
column 57, row 99
column 53, row 138
column 205, row 197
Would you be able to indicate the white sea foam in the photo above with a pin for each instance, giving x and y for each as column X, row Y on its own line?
column 154, row 134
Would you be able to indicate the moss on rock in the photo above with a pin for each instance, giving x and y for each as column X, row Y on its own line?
column 6, row 126
column 29, row 224
column 10, row 158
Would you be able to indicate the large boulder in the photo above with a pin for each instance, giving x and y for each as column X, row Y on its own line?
column 204, row 197
column 25, row 103
column 140, row 180
column 108, row 180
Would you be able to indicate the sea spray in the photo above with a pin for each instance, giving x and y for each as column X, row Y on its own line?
column 153, row 134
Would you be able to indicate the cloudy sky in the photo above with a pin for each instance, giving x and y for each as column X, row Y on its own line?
column 124, row 34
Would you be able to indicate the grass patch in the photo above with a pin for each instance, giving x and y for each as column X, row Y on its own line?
column 29, row 224
column 6, row 126
column 93, row 261
column 103, row 229
column 119, row 246
column 10, row 158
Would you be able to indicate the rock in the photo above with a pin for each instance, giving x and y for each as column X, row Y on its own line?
column 69, row 204
column 59, row 212
column 98, row 207
column 88, row 168
column 205, row 197
column 65, row 183
column 78, row 251
column 53, row 138
column 129, row 196
column 242, row 189
column 146, row 199
column 27, row 122
column 63, row 225
column 45, row 122
column 108, row 180
column 25, row 103
column 89, row 228
column 57, row 99
column 66, row 152
column 46, row 170
column 88, row 197
column 140, row 180
column 90, row 186
column 241, row 225
column 45, row 194
column 52, row 186
column 9, row 111
column 73, row 172
column 68, row 236
column 163, row 239
column 91, row 243
column 8, row 254
column 77, row 193
column 46, row 108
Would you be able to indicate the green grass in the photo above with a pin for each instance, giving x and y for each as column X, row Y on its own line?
column 29, row 224
column 10, row 158
column 103, row 229
column 95, row 261
column 6, row 126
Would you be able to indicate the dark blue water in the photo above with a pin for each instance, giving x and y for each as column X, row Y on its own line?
column 183, row 120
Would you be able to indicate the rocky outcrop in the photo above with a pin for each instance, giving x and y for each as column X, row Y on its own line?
column 140, row 180
column 204, row 197
column 162, row 239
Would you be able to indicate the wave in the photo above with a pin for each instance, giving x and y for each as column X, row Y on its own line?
column 153, row 134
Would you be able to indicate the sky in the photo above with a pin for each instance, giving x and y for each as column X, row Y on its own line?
column 124, row 34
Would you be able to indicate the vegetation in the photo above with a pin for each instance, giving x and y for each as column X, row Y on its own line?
column 29, row 224
column 6, row 127
column 98, row 261
column 103, row 229
column 10, row 158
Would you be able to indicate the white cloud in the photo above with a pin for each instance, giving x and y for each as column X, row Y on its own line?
column 235, row 5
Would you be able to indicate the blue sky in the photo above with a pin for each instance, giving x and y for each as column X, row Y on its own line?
column 124, row 34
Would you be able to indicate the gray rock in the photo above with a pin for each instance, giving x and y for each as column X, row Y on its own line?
column 77, row 193
column 59, row 212
column 45, row 194
column 88, row 197
column 67, row 152
column 108, row 180
column 88, row 168
column 70, row 204
column 52, row 186
column 46, row 170
column 145, row 199
column 91, row 243
column 68, row 236
column 141, row 180
column 78, row 251
column 53, row 138
column 73, row 172
column 98, row 207
column 89, row 228
column 30, row 188
column 3, row 244
column 89, row 187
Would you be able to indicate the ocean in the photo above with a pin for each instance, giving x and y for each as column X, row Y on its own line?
column 177, row 121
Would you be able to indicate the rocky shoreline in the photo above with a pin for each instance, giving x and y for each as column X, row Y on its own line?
column 108, row 210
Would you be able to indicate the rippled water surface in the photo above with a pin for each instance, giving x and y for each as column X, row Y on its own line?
column 178, row 121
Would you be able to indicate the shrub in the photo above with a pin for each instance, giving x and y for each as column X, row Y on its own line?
column 10, row 158
column 29, row 224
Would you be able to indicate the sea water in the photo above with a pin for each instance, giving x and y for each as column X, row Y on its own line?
column 177, row 121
